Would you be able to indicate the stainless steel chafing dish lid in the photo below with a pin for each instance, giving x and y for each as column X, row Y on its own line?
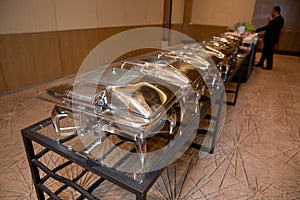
column 109, row 75
column 233, row 35
column 229, row 41
column 91, row 83
column 214, row 52
column 159, row 69
column 193, row 58
column 167, row 67
column 219, row 46
column 143, row 97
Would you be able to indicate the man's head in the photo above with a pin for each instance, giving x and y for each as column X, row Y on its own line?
column 275, row 11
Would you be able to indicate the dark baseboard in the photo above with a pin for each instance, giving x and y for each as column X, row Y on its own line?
column 283, row 52
column 290, row 53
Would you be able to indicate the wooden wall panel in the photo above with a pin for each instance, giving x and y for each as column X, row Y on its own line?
column 289, row 41
column 201, row 32
column 75, row 46
column 2, row 81
column 188, row 10
column 31, row 58
column 28, row 59
column 112, row 31
column 105, row 33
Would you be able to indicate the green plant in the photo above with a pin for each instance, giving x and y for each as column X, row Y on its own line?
column 248, row 26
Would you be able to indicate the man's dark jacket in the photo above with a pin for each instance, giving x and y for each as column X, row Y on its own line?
column 272, row 30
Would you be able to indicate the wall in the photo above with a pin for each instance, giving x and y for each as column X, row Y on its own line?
column 42, row 40
column 177, row 11
column 289, row 41
column 23, row 16
column 202, row 19
column 222, row 13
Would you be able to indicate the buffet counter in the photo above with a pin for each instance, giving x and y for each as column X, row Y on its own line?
column 126, row 128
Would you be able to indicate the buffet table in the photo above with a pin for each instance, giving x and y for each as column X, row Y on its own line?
column 249, row 42
column 37, row 134
column 41, row 139
column 43, row 134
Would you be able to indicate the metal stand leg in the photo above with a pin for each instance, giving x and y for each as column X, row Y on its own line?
column 34, row 170
column 237, row 88
column 213, row 131
column 218, row 118
column 141, row 196
column 142, row 148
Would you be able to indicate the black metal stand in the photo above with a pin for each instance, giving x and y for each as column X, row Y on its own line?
column 103, row 173
column 140, row 189
column 31, row 135
column 237, row 72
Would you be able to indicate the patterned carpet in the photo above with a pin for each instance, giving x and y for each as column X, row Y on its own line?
column 256, row 157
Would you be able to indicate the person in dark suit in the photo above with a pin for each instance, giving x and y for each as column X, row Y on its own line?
column 271, row 37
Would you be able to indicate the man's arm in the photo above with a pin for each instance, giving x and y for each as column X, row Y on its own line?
column 264, row 27
column 261, row 29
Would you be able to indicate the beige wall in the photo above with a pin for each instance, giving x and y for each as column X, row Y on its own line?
column 129, row 12
column 75, row 14
column 26, row 16
column 44, row 39
column 177, row 11
column 20, row 16
column 222, row 13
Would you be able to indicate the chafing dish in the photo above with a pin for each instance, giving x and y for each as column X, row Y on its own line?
column 137, row 98
column 133, row 99
column 223, row 49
